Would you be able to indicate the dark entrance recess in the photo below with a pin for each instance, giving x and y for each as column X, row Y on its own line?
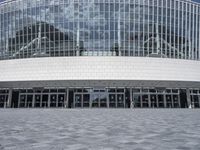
column 127, row 98
column 15, row 96
column 45, row 100
column 71, row 97
column 183, row 98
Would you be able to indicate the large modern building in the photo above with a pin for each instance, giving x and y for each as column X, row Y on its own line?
column 100, row 53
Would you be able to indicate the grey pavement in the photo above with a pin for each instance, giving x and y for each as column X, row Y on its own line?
column 99, row 129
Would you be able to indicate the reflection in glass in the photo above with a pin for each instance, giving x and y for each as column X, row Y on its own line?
column 148, row 28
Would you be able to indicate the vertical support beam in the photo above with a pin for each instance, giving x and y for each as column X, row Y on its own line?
column 81, row 100
column 172, row 100
column 119, row 35
column 124, row 100
column 157, row 101
column 74, row 101
column 141, row 102
column 33, row 100
column 116, row 99
column 179, row 100
column 56, row 100
column 99, row 100
column 188, row 98
column 25, row 105
column 9, row 98
column 90, row 105
column 5, row 102
column 78, row 42
column 165, row 101
column 192, row 100
column 131, row 98
column 66, row 98
column 107, row 99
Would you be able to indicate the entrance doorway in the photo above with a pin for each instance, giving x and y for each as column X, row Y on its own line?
column 3, row 100
column 81, row 100
column 99, row 100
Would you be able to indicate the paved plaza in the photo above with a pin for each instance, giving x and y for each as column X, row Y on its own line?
column 99, row 129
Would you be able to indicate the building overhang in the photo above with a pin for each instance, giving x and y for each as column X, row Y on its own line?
column 99, row 71
column 99, row 84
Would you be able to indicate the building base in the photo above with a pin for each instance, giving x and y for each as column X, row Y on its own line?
column 101, row 97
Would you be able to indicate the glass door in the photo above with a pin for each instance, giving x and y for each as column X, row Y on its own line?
column 53, row 100
column 120, row 101
column 78, row 100
column 99, row 100
column 22, row 101
column 153, row 99
column 169, row 101
column 29, row 100
column 61, row 98
column 161, row 101
column 103, row 100
column 145, row 103
column 3, row 100
column 45, row 100
column 112, row 100
column 37, row 100
column 137, row 100
column 86, row 100
column 94, row 100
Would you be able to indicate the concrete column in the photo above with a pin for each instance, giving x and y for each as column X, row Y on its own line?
column 33, row 100
column 99, row 101
column 41, row 100
column 107, row 99
column 81, row 99
column 116, row 99
column 179, row 101
column 25, row 105
column 188, row 98
column 165, row 101
column 172, row 101
column 5, row 102
column 66, row 98
column 157, row 101
column 124, row 101
column 131, row 99
column 9, row 98
column 141, row 104
column 90, row 102
column 57, row 100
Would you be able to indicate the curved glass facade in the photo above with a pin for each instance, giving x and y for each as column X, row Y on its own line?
column 144, row 28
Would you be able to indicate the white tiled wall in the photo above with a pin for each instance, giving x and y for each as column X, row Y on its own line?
column 99, row 68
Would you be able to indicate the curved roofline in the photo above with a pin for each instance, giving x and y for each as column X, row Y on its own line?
column 10, row 1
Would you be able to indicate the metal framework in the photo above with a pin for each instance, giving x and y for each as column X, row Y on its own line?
column 100, row 98
column 145, row 28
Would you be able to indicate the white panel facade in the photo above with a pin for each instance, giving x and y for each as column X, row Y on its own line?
column 99, row 68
